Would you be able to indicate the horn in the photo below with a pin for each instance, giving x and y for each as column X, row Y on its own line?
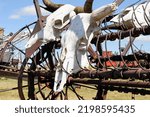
column 105, row 10
column 51, row 6
column 88, row 6
column 79, row 9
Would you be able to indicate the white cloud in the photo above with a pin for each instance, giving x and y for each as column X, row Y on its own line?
column 142, row 38
column 14, row 17
column 26, row 11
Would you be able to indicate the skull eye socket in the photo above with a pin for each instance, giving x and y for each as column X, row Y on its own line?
column 124, row 13
column 66, row 18
column 58, row 23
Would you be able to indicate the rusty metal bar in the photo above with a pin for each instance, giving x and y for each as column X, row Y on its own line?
column 93, row 74
column 113, row 83
column 135, row 32
column 139, row 56
column 127, row 90
column 8, row 73
column 11, row 73
column 112, row 74
column 38, row 12
column 115, row 74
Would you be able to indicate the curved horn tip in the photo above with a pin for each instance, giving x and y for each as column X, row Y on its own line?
column 88, row 6
column 51, row 6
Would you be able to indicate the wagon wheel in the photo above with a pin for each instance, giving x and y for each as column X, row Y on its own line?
column 36, row 79
column 83, row 91
column 30, row 82
column 12, row 49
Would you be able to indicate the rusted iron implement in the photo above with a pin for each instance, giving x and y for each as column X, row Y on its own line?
column 134, row 32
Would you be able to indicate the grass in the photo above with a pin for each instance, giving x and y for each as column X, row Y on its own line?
column 7, row 83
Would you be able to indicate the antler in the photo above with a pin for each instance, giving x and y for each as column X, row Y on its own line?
column 52, row 6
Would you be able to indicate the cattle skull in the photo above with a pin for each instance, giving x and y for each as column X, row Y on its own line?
column 54, row 25
column 135, row 16
column 75, row 40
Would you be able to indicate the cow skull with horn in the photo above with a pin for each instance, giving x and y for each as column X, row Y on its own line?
column 82, row 26
column 55, row 23
column 75, row 41
column 135, row 16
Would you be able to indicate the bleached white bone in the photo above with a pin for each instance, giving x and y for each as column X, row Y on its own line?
column 75, row 41
column 54, row 25
column 134, row 16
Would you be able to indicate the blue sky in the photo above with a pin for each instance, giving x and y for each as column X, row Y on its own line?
column 14, row 14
